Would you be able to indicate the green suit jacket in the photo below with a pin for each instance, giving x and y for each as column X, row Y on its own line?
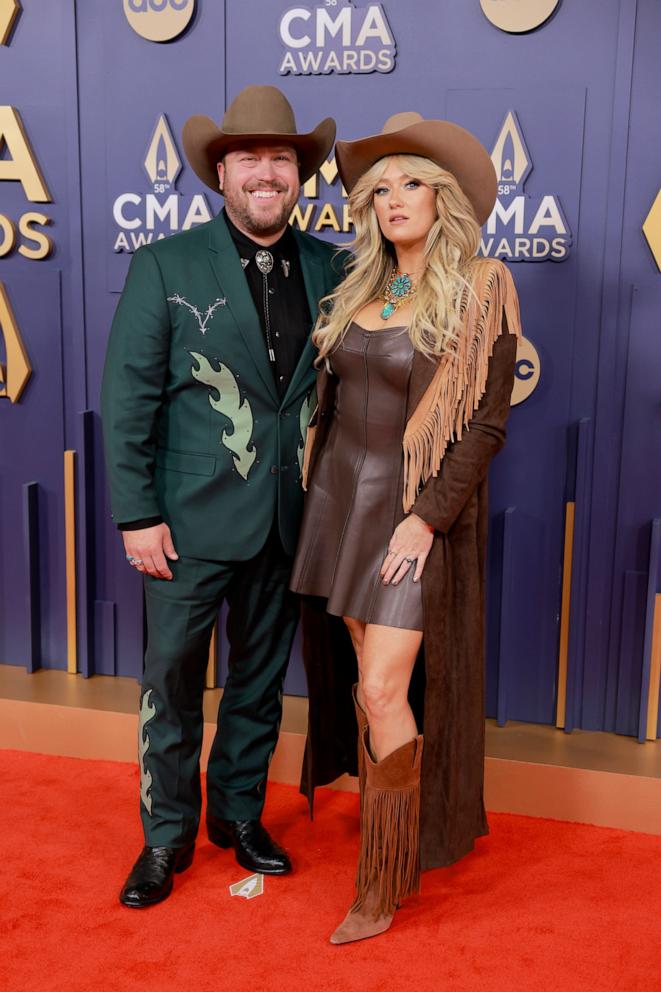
column 193, row 427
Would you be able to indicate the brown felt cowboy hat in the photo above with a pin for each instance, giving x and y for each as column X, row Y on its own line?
column 447, row 144
column 258, row 113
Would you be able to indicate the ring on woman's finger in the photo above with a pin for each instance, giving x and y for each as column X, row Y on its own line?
column 409, row 560
column 134, row 561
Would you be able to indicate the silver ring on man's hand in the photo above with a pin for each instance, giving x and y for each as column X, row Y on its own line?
column 410, row 560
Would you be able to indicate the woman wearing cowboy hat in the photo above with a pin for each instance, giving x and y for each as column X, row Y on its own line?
column 416, row 353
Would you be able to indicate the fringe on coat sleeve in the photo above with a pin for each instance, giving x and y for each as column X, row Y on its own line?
column 459, row 382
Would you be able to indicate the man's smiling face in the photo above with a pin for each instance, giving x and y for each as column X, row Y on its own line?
column 261, row 186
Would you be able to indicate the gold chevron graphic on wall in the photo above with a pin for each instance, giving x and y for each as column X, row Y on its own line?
column 9, row 11
column 162, row 163
column 509, row 156
column 14, row 375
column 652, row 229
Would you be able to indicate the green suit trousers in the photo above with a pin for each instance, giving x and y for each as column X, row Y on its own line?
column 262, row 619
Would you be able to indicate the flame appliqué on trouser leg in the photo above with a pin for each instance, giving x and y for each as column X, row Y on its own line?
column 147, row 713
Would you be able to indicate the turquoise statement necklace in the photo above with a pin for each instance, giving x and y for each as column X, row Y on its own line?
column 399, row 290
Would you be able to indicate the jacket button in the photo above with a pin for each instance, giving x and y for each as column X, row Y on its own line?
column 274, row 469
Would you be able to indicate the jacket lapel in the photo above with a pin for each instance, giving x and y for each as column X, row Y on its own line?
column 315, row 288
column 231, row 278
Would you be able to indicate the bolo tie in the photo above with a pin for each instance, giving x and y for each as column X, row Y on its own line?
column 265, row 262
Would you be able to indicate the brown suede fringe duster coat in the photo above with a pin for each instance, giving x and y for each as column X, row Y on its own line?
column 447, row 449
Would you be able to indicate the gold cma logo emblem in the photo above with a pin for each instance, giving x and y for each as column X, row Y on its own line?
column 9, row 11
column 510, row 156
column 162, row 163
column 14, row 374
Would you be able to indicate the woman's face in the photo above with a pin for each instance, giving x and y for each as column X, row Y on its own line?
column 405, row 207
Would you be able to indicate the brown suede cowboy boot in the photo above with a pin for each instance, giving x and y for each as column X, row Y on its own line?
column 389, row 857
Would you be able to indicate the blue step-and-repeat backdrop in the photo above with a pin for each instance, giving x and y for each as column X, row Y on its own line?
column 564, row 94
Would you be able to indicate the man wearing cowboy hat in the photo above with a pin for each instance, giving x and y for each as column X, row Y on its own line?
column 206, row 395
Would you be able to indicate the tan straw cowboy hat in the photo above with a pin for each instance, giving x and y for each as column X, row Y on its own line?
column 447, row 144
column 258, row 113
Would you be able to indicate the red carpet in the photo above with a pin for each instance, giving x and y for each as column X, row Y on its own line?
column 540, row 905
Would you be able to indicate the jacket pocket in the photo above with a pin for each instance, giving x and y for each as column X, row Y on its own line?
column 183, row 461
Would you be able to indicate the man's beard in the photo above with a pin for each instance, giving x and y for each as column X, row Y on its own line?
column 239, row 210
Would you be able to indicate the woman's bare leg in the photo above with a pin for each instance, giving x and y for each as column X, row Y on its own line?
column 388, row 655
column 356, row 630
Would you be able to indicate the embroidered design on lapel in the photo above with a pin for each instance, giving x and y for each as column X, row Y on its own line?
column 202, row 321
column 147, row 713
column 230, row 405
column 303, row 419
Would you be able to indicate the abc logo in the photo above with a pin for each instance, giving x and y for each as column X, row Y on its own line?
column 526, row 374
column 517, row 16
column 158, row 20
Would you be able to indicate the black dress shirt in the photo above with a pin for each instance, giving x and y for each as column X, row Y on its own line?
column 289, row 313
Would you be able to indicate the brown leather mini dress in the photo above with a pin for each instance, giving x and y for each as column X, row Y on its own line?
column 355, row 493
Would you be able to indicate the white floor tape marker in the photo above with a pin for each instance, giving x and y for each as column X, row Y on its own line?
column 248, row 887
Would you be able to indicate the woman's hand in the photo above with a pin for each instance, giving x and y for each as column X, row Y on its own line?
column 411, row 541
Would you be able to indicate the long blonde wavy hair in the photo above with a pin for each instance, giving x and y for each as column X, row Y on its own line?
column 451, row 246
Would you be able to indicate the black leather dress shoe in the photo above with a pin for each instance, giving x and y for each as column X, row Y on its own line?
column 150, row 879
column 255, row 850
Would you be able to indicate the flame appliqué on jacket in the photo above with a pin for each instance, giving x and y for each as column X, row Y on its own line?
column 305, row 413
column 230, row 405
